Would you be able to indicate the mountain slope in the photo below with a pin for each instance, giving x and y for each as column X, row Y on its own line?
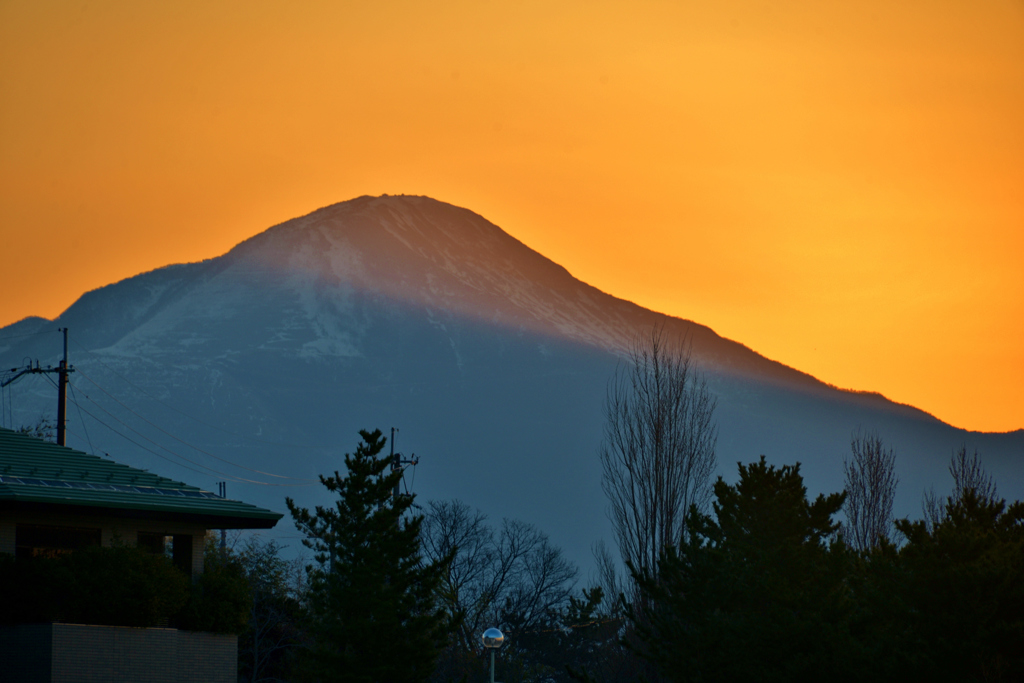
column 408, row 312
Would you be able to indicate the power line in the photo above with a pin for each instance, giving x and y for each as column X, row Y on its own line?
column 130, row 440
column 303, row 482
column 79, row 437
column 96, row 356
column 178, row 455
column 176, row 438
column 74, row 399
column 163, row 457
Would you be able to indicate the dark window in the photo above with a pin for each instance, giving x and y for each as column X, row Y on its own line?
column 33, row 540
column 182, row 553
column 178, row 547
column 151, row 542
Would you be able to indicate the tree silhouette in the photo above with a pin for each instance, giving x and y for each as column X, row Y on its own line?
column 870, row 491
column 511, row 577
column 371, row 597
column 964, row 590
column 756, row 592
column 658, row 453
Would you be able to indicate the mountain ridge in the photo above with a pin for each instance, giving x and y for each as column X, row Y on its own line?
column 614, row 337
column 495, row 362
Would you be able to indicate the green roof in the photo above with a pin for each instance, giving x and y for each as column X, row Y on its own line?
column 38, row 474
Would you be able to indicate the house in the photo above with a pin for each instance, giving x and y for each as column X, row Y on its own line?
column 56, row 500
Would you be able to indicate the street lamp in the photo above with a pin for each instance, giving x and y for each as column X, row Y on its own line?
column 493, row 639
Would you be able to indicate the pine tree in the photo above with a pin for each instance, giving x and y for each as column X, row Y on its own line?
column 756, row 592
column 964, row 589
column 371, row 596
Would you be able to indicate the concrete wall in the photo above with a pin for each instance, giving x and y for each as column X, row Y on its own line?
column 78, row 653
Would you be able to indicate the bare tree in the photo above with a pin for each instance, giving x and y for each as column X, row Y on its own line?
column 44, row 429
column 870, row 491
column 608, row 579
column 512, row 578
column 452, row 525
column 933, row 507
column 658, row 453
column 969, row 475
column 540, row 580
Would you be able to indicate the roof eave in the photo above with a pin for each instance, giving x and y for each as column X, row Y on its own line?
column 208, row 519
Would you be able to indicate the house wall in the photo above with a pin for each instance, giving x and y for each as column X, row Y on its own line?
column 7, row 535
column 73, row 653
column 112, row 529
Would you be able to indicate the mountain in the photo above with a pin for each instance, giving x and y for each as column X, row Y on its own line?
column 406, row 312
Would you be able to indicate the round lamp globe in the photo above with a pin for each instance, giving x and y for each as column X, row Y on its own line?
column 493, row 638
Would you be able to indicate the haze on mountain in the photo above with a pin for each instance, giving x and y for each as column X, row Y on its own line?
column 403, row 311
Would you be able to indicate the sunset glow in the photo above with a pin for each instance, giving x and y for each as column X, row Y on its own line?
column 839, row 186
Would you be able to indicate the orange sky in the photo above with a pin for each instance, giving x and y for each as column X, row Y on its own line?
column 838, row 185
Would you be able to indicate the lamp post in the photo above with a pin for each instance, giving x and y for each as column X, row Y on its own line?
column 493, row 639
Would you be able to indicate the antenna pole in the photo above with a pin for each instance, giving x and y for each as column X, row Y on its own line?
column 396, row 464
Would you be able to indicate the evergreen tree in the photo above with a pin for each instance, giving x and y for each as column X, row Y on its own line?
column 756, row 592
column 371, row 596
column 964, row 589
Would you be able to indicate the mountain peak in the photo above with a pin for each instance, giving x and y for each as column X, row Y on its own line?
column 424, row 252
column 409, row 229
column 428, row 257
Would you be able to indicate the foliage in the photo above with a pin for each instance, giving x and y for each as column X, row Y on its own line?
column 273, row 628
column 118, row 586
column 765, row 590
column 581, row 640
column 122, row 585
column 371, row 598
column 220, row 597
column 964, row 589
column 658, row 453
column 755, row 592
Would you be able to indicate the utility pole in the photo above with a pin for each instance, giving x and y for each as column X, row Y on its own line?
column 62, row 393
column 62, row 370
